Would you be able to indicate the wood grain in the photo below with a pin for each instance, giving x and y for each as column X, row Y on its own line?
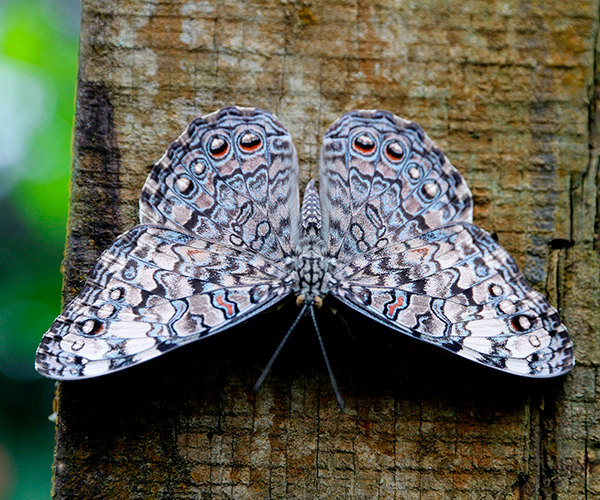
column 509, row 89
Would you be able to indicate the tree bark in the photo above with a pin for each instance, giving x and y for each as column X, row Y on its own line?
column 509, row 90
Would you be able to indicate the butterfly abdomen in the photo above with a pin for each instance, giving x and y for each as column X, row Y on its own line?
column 311, row 261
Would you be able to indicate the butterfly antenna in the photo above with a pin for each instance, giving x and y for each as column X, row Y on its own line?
column 266, row 371
column 333, row 382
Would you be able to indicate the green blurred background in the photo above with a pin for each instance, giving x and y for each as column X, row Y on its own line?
column 38, row 70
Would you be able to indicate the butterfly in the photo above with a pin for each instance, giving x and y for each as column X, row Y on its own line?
column 222, row 237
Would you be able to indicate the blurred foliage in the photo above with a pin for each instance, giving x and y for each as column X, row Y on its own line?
column 38, row 68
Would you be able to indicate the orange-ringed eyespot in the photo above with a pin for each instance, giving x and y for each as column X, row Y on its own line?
column 394, row 151
column 250, row 142
column 364, row 144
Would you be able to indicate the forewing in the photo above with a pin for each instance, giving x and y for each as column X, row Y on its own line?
column 153, row 290
column 231, row 177
column 383, row 180
column 457, row 288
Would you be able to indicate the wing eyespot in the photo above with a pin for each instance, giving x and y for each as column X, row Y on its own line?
column 117, row 293
column 507, row 307
column 219, row 147
column 250, row 142
column 522, row 323
column 430, row 190
column 106, row 311
column 236, row 240
column 91, row 327
column 199, row 167
column 415, row 172
column 184, row 185
column 394, row 152
column 78, row 344
column 364, row 144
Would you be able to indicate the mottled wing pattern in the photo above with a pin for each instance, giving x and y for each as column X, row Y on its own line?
column 231, row 177
column 440, row 279
column 457, row 288
column 383, row 180
column 221, row 240
column 217, row 212
column 156, row 289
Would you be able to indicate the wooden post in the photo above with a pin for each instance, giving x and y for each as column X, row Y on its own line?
column 508, row 89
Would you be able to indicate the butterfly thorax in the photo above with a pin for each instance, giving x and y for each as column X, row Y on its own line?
column 311, row 262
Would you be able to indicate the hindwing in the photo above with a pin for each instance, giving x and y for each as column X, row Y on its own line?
column 383, row 180
column 231, row 177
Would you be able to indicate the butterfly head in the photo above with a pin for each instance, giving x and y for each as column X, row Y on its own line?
column 310, row 300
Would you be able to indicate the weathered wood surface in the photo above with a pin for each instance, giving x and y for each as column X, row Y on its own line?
column 507, row 89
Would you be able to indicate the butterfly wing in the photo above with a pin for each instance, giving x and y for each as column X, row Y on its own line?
column 457, row 288
column 383, row 180
column 436, row 277
column 213, row 249
column 232, row 177
column 153, row 290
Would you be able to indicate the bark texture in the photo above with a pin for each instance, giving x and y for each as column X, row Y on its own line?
column 509, row 89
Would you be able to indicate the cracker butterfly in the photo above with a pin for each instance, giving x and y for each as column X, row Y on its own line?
column 222, row 238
